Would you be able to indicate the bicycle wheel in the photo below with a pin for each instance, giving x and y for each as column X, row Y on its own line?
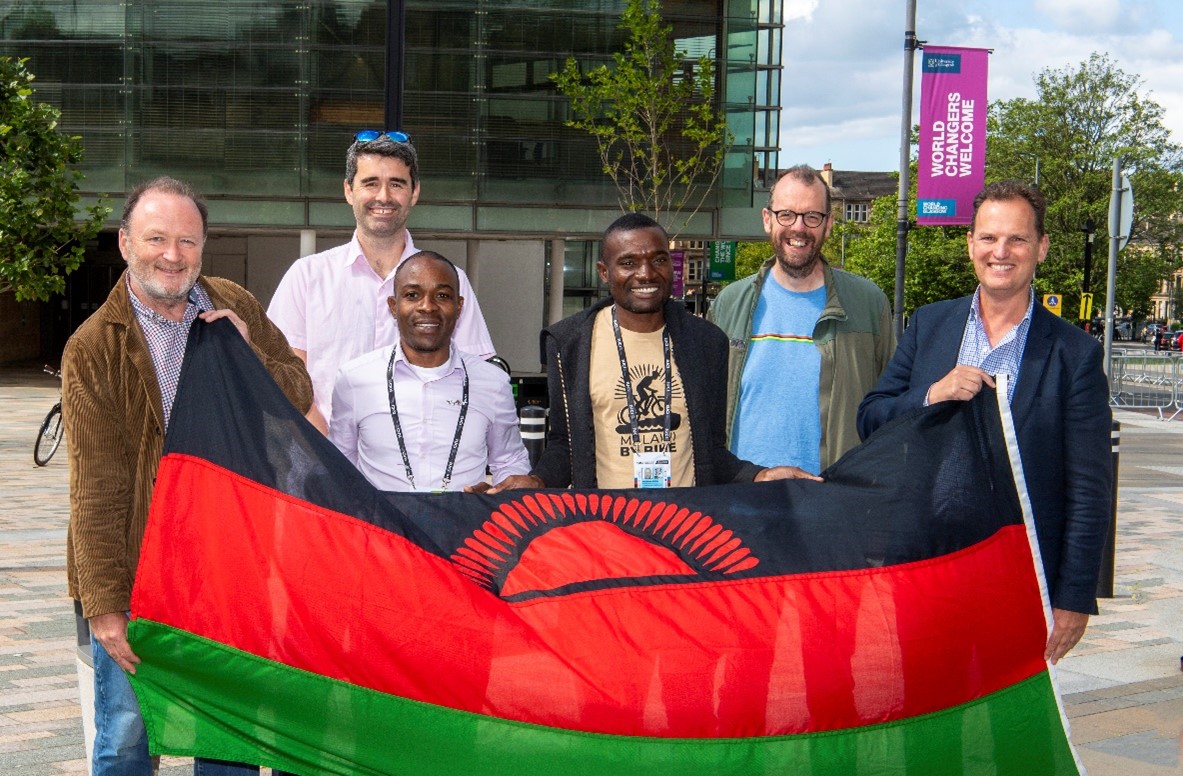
column 49, row 437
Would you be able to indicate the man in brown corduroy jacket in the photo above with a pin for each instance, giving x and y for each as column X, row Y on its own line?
column 120, row 372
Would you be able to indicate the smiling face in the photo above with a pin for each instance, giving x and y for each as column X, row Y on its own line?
column 382, row 196
column 1005, row 248
column 426, row 305
column 798, row 248
column 636, row 267
column 162, row 246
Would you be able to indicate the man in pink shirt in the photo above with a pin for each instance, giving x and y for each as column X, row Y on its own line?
column 331, row 306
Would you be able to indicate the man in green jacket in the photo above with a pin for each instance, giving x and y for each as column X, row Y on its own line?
column 805, row 348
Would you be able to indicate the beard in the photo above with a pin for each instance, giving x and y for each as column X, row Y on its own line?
column 154, row 287
column 798, row 268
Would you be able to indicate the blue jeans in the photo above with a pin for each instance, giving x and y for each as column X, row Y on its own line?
column 120, row 741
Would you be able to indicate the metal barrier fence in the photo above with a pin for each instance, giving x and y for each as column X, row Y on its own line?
column 1147, row 380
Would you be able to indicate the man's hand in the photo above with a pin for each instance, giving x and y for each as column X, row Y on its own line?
column 209, row 316
column 480, row 487
column 518, row 482
column 110, row 630
column 1067, row 628
column 962, row 384
column 785, row 473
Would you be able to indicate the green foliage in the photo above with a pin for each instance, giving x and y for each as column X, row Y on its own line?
column 653, row 115
column 1155, row 249
column 750, row 256
column 1081, row 119
column 937, row 264
column 40, row 243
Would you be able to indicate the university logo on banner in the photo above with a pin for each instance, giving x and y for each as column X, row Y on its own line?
column 952, row 161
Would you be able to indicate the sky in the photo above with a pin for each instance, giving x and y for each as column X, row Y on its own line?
column 842, row 85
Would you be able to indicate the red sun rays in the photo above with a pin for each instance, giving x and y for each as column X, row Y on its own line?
column 487, row 555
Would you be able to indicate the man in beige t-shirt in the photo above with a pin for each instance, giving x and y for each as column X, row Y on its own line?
column 615, row 446
column 637, row 384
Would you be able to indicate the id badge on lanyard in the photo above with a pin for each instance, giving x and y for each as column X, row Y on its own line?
column 652, row 470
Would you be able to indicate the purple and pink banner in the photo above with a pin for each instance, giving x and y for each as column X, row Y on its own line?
column 678, row 259
column 952, row 163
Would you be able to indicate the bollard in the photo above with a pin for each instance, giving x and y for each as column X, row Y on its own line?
column 1109, row 559
column 532, row 420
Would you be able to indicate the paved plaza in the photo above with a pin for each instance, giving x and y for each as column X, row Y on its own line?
column 1122, row 686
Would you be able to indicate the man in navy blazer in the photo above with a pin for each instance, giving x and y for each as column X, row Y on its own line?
column 1059, row 395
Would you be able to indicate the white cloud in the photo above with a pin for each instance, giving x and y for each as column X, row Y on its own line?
column 1081, row 14
column 799, row 9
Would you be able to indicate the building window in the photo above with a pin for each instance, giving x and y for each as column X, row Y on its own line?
column 857, row 211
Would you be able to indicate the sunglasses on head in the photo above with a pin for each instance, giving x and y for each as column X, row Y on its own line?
column 370, row 135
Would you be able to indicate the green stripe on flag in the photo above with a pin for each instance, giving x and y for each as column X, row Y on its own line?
column 203, row 698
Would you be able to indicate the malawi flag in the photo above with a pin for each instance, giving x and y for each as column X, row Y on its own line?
column 890, row 620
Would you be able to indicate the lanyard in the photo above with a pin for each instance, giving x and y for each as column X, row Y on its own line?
column 398, row 428
column 667, row 421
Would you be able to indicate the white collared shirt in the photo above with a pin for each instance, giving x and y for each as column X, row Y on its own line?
column 428, row 403
column 332, row 305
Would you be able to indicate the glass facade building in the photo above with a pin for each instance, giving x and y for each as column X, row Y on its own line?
column 255, row 102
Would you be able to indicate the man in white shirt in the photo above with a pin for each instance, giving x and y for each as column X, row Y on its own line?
column 331, row 306
column 421, row 414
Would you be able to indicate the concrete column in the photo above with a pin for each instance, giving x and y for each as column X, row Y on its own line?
column 307, row 242
column 558, row 253
column 472, row 264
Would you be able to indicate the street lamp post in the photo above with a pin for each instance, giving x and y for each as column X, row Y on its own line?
column 1089, row 230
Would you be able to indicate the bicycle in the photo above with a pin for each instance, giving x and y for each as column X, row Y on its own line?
column 49, row 437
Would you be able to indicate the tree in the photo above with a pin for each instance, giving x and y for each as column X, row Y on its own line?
column 652, row 113
column 750, row 256
column 1080, row 120
column 1156, row 245
column 40, row 242
column 938, row 267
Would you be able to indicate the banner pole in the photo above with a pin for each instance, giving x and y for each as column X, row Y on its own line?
column 901, row 231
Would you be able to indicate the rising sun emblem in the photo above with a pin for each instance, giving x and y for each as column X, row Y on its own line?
column 547, row 543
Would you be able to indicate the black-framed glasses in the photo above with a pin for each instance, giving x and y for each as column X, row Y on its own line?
column 812, row 219
column 370, row 135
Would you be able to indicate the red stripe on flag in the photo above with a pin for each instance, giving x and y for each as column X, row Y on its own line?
column 231, row 560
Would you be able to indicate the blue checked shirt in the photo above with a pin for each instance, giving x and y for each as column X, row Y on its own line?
column 166, row 340
column 1004, row 358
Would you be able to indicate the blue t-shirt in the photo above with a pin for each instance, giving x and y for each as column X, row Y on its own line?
column 778, row 422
